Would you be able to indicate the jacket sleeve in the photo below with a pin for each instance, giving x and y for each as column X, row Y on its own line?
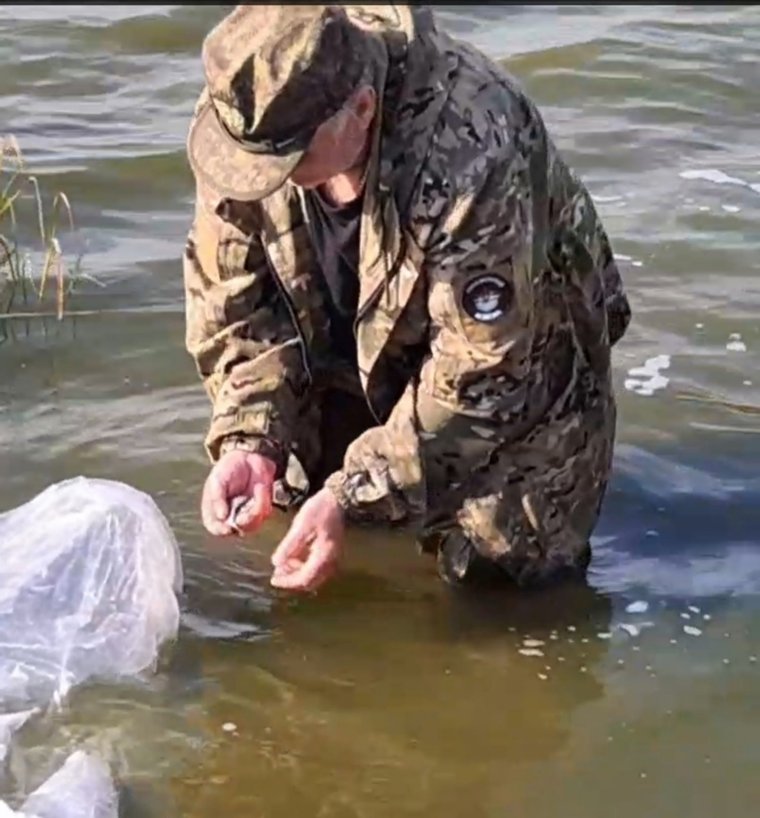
column 582, row 235
column 239, row 333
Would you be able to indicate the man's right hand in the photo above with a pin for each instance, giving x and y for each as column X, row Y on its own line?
column 238, row 474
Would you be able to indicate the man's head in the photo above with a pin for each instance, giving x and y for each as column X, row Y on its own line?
column 291, row 96
column 341, row 142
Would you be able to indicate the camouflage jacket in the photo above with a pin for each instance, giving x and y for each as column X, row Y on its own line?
column 487, row 282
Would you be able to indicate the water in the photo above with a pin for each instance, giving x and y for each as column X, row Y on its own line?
column 385, row 695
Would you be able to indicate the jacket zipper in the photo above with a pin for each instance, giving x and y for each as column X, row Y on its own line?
column 291, row 310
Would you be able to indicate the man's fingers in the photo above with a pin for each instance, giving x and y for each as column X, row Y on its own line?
column 213, row 502
column 256, row 510
column 216, row 527
column 263, row 492
column 326, row 570
column 235, row 477
column 293, row 543
column 288, row 567
column 287, row 581
column 249, row 516
column 318, row 566
column 303, row 579
column 316, row 538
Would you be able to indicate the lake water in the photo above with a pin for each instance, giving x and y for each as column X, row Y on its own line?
column 386, row 695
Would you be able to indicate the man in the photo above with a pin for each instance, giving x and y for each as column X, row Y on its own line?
column 399, row 298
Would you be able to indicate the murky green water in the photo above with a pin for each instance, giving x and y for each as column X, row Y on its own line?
column 385, row 695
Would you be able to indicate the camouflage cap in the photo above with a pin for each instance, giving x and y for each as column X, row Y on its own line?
column 274, row 74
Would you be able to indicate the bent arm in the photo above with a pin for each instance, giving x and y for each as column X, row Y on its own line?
column 240, row 334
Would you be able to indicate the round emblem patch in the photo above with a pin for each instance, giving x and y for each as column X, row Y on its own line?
column 486, row 298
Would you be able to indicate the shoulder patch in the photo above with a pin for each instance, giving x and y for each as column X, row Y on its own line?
column 487, row 298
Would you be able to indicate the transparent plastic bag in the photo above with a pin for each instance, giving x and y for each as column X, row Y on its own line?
column 10, row 723
column 89, row 576
column 81, row 788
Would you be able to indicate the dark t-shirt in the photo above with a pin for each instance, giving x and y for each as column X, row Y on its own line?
column 335, row 235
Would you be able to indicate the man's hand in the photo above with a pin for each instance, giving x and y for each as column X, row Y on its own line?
column 308, row 554
column 238, row 474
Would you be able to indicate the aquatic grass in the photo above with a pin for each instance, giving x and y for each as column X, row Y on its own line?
column 26, row 271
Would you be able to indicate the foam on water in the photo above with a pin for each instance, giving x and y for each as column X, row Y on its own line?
column 634, row 262
column 718, row 177
column 647, row 379
column 735, row 343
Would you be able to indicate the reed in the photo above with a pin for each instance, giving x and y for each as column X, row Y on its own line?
column 32, row 272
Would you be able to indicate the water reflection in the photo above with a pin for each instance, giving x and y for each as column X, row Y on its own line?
column 680, row 527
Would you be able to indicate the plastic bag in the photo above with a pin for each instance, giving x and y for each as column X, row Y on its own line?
column 10, row 723
column 81, row 788
column 89, row 576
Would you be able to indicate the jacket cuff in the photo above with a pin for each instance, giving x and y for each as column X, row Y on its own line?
column 340, row 487
column 255, row 444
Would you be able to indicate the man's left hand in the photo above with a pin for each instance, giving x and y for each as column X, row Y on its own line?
column 309, row 553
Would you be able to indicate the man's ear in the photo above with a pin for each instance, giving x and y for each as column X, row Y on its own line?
column 365, row 105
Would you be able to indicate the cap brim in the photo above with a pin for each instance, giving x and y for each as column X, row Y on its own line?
column 229, row 170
